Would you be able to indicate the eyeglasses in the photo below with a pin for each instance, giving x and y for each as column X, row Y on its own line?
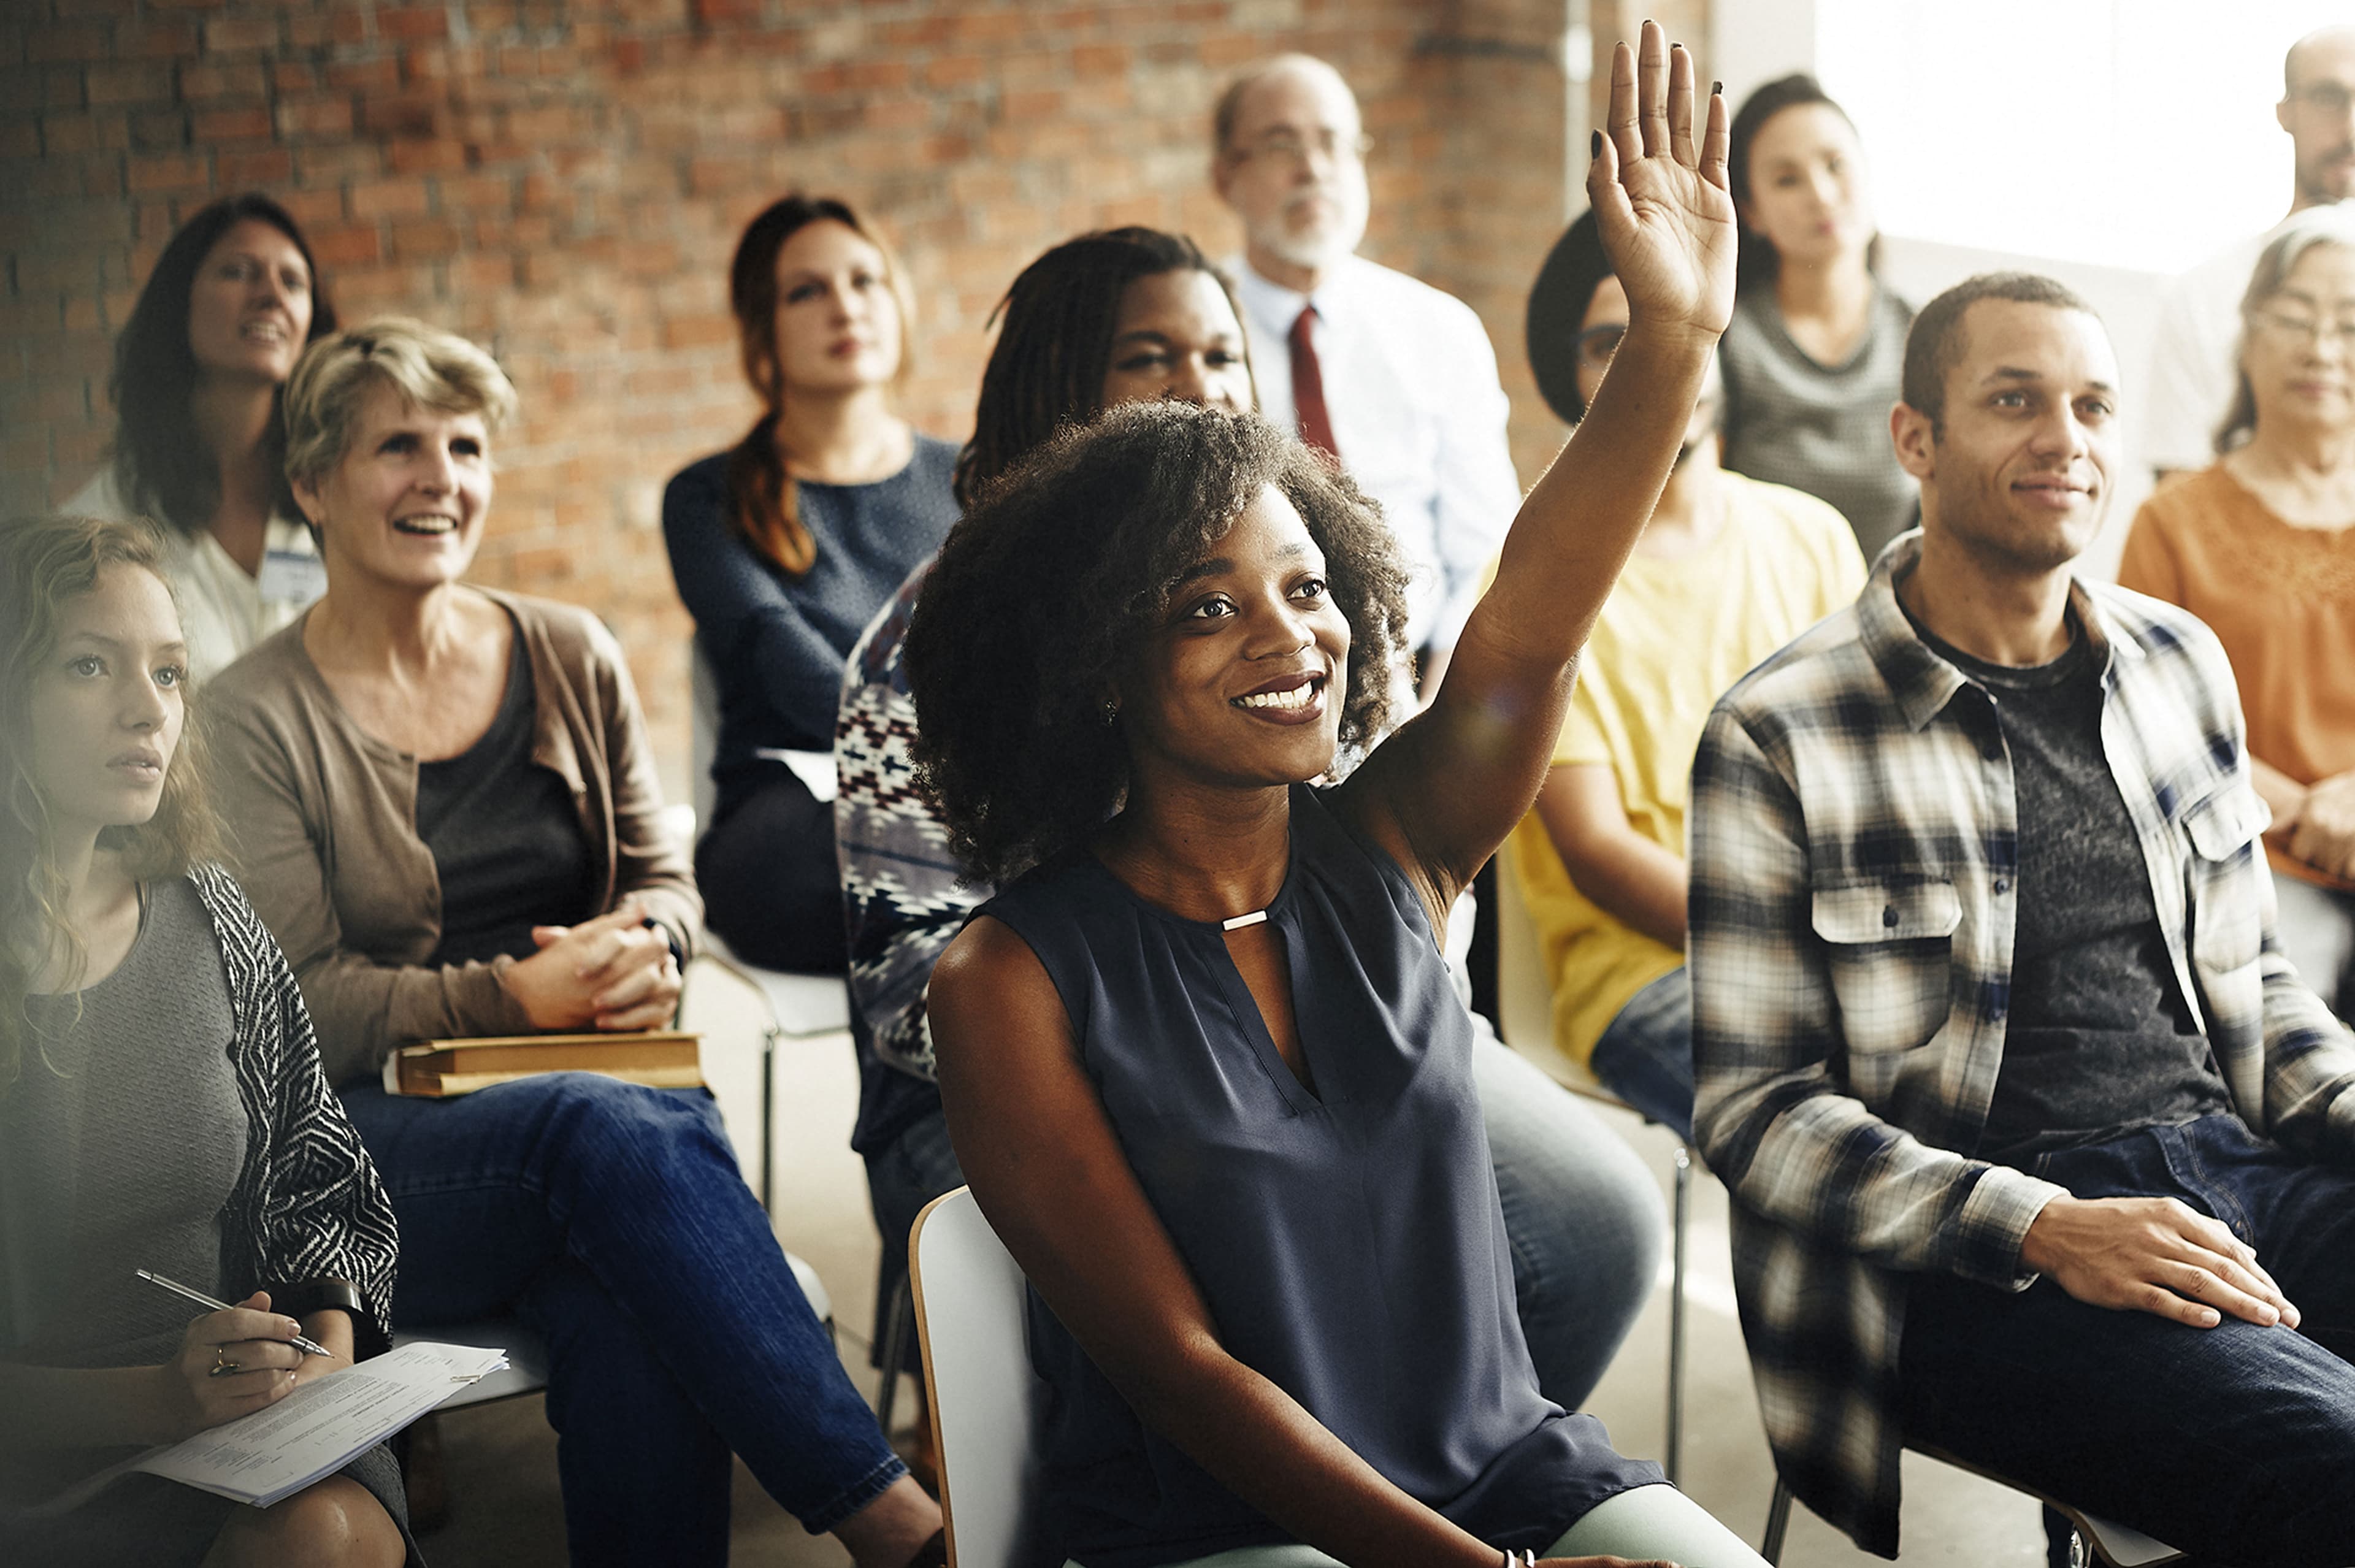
column 1596, row 345
column 2332, row 98
column 1291, row 147
column 2302, row 329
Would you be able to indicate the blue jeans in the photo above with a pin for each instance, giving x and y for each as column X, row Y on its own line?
column 613, row 1220
column 1646, row 1054
column 1582, row 1212
column 2231, row 1444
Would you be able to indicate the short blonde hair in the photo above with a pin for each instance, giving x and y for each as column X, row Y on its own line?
column 431, row 368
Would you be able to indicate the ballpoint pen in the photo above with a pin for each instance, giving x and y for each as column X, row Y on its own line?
column 308, row 1347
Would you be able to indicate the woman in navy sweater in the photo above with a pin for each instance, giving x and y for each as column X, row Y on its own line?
column 784, row 547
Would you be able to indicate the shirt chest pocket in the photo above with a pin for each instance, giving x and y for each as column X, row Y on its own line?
column 2221, row 883
column 1889, row 950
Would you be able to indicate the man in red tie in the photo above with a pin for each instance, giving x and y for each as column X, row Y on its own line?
column 1394, row 378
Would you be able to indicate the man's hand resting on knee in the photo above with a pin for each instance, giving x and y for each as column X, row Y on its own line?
column 2152, row 1254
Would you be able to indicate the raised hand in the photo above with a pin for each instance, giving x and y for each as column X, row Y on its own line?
column 1663, row 203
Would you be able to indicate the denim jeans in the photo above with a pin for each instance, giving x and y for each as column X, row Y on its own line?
column 1646, row 1054
column 613, row 1220
column 2233, row 1444
column 1582, row 1212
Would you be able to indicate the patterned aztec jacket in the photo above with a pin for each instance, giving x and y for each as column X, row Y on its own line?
column 898, row 879
column 1854, row 837
column 307, row 1204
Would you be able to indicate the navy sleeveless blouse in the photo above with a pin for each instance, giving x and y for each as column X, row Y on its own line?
column 1349, row 1242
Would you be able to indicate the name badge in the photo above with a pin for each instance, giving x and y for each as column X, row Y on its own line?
column 290, row 577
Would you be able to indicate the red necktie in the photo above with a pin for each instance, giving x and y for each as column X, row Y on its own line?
column 1309, row 387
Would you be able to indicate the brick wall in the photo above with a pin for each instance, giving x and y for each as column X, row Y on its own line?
column 563, row 180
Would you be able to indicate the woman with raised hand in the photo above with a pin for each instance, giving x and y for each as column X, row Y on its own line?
column 2262, row 547
column 161, row 1104
column 443, row 803
column 199, row 372
column 1136, row 315
column 1203, row 1063
column 783, row 548
column 1816, row 345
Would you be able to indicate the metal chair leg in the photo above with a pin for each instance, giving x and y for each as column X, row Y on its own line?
column 1778, row 1523
column 896, row 1327
column 768, row 1116
column 1674, row 1456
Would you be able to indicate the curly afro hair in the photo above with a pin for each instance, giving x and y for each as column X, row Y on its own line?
column 1059, row 574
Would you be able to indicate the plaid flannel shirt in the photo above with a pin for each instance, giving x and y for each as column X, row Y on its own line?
column 1854, row 868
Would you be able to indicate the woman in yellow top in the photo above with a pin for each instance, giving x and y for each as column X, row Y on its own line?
column 2261, row 545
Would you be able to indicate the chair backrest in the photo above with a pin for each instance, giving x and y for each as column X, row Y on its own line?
column 703, row 730
column 1525, row 990
column 970, row 1316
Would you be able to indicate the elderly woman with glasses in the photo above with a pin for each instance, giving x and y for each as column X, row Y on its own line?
column 444, row 807
column 2261, row 545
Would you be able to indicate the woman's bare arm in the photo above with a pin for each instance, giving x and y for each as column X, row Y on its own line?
column 1443, row 792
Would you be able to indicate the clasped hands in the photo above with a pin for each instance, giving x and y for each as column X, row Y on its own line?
column 616, row 972
column 2321, row 830
column 2158, row 1255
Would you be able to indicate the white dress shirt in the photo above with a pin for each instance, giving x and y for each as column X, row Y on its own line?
column 1418, row 414
column 2195, row 359
column 223, row 611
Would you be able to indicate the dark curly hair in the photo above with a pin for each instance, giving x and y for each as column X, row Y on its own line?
column 1056, row 579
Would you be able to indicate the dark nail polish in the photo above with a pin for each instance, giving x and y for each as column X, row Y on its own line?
column 1716, row 90
column 1594, row 146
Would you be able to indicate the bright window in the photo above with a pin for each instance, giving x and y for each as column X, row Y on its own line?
column 2136, row 134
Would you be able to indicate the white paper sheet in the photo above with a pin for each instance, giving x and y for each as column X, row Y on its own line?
column 312, row 1432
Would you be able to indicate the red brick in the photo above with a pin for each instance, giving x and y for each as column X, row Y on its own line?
column 212, row 79
column 352, row 245
column 159, row 172
column 260, row 166
column 438, row 156
column 401, row 114
column 404, row 198
column 420, row 24
column 288, row 77
column 20, row 139
column 699, row 331
column 132, row 81
column 424, row 239
column 214, row 125
column 381, row 74
column 159, row 128
column 64, row 134
column 67, row 41
column 229, row 35
column 315, row 117
column 172, row 39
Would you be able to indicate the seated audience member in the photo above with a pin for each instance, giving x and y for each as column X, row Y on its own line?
column 199, row 442
column 1392, row 377
column 2034, row 1137
column 1132, row 657
column 1135, row 315
column 784, row 547
column 1727, row 570
column 442, row 801
column 161, row 1105
column 2262, row 547
column 1812, row 357
column 2193, row 367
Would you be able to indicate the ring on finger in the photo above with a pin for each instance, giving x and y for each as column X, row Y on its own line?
column 222, row 1366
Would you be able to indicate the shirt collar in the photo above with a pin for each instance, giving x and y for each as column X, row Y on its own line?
column 1275, row 307
column 1922, row 682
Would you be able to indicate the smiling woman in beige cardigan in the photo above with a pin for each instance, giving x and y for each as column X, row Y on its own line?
column 442, row 805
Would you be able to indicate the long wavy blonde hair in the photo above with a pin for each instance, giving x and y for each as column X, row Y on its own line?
column 44, row 563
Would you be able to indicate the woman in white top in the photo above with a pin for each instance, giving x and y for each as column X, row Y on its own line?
column 200, row 446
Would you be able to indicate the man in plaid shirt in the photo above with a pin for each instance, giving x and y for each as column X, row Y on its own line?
column 2037, row 1145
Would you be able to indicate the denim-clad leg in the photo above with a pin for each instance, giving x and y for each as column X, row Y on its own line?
column 1646, row 1054
column 525, row 1196
column 1583, row 1213
column 2233, row 1444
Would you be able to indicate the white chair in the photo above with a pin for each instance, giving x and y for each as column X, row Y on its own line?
column 971, row 1310
column 2095, row 1541
column 1525, row 1022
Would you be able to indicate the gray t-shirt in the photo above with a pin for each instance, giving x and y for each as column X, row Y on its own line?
column 1820, row 428
column 119, row 1144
